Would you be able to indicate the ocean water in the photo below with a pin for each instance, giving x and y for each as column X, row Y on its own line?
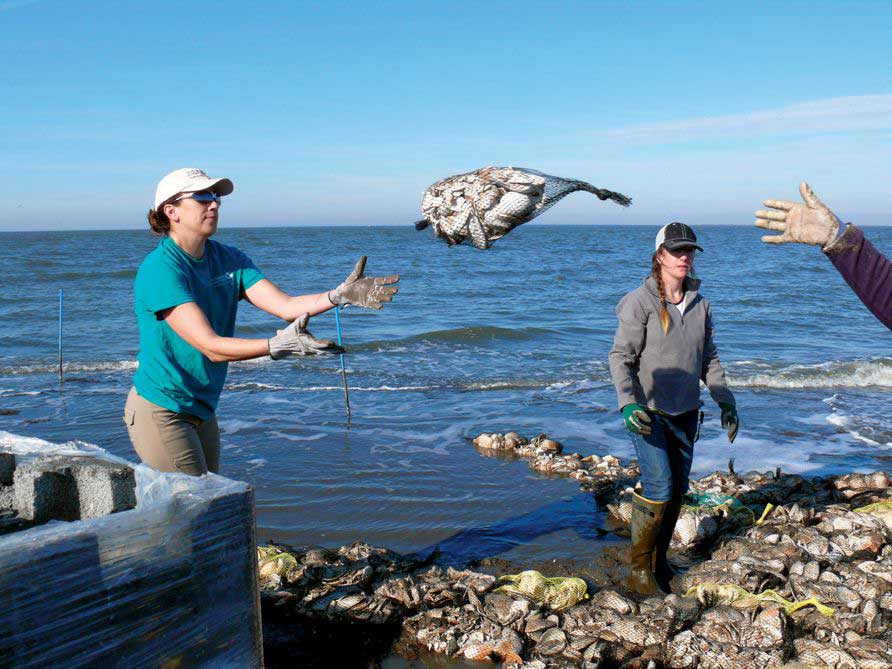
column 514, row 338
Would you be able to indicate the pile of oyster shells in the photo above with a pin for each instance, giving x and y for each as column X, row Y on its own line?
column 812, row 544
column 596, row 474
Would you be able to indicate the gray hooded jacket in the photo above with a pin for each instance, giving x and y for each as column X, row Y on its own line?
column 663, row 371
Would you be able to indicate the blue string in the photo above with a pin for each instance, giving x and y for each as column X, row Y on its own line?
column 343, row 369
column 338, row 326
column 60, row 334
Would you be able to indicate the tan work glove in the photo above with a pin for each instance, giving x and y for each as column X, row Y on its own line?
column 809, row 223
column 364, row 291
column 295, row 339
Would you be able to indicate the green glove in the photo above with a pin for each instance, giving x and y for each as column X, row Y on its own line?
column 730, row 419
column 637, row 419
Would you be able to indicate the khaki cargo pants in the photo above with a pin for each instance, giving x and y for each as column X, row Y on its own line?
column 170, row 441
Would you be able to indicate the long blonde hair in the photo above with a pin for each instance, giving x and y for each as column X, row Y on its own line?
column 655, row 270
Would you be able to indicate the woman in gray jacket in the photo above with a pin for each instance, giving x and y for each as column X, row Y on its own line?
column 662, row 350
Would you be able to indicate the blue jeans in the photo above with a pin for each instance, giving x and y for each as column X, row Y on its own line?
column 665, row 455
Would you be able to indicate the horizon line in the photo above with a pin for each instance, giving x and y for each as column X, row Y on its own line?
column 403, row 225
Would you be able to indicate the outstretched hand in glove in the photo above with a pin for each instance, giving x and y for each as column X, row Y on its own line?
column 364, row 291
column 808, row 222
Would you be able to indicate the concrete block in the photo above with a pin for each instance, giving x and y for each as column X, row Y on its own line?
column 73, row 488
column 44, row 491
column 7, row 467
column 70, row 488
column 103, row 487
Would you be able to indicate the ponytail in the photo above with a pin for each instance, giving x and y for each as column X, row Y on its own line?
column 158, row 221
column 665, row 320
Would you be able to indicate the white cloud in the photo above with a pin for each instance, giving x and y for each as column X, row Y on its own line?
column 846, row 114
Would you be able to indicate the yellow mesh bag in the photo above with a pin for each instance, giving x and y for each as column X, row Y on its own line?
column 882, row 510
column 272, row 560
column 725, row 593
column 558, row 593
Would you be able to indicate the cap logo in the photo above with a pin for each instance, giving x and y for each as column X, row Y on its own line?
column 193, row 173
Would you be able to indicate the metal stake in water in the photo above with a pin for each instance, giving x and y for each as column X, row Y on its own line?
column 60, row 335
column 343, row 368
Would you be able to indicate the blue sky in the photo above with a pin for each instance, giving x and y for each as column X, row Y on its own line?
column 343, row 113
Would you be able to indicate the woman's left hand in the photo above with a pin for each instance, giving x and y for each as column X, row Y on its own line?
column 730, row 420
column 364, row 291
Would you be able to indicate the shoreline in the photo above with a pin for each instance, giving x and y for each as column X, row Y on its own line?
column 753, row 593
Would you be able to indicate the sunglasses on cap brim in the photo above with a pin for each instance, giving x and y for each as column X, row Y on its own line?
column 204, row 197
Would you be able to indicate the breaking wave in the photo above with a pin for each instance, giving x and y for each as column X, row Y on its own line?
column 876, row 372
column 110, row 366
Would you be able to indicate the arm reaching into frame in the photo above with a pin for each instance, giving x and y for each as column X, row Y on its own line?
column 864, row 268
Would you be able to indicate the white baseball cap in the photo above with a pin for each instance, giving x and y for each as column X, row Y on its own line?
column 189, row 180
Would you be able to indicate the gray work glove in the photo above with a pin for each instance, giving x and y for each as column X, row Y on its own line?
column 370, row 291
column 295, row 339
column 809, row 223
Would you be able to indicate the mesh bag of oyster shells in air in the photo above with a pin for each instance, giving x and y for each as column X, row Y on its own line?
column 484, row 205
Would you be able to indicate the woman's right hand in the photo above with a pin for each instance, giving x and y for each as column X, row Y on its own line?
column 295, row 339
column 637, row 419
column 807, row 222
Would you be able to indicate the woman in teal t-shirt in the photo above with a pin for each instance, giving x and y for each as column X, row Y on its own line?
column 186, row 296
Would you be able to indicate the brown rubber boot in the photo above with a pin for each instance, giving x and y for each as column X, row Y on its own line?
column 663, row 571
column 647, row 517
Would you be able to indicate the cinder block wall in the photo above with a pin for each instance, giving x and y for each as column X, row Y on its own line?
column 171, row 582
